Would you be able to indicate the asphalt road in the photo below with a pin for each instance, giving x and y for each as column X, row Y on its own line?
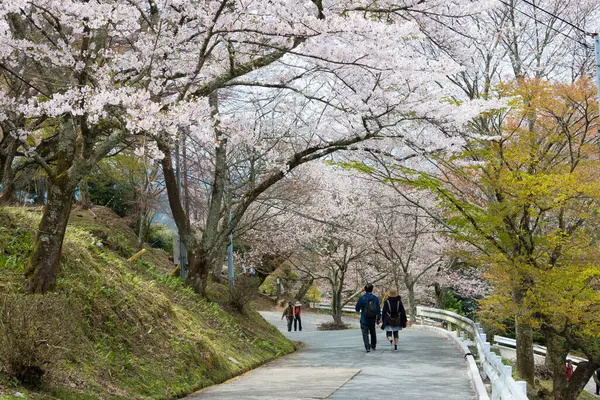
column 334, row 365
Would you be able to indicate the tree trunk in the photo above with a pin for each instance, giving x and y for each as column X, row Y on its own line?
column 7, row 190
column 199, row 265
column 143, row 229
column 557, row 351
column 440, row 295
column 43, row 264
column 412, row 302
column 556, row 355
column 7, row 173
column 525, row 360
column 201, row 253
column 304, row 289
column 336, row 305
column 41, row 192
column 84, row 195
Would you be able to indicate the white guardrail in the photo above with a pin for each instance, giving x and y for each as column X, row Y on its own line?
column 327, row 306
column 509, row 343
column 503, row 385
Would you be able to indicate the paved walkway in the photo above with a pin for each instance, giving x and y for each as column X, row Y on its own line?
column 334, row 365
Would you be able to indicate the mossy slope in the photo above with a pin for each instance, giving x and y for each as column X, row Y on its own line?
column 142, row 333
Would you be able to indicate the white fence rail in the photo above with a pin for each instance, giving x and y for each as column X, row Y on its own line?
column 504, row 386
column 327, row 306
column 537, row 349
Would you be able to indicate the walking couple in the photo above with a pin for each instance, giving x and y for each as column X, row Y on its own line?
column 394, row 317
column 293, row 313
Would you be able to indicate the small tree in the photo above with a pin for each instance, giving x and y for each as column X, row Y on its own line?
column 244, row 290
column 35, row 331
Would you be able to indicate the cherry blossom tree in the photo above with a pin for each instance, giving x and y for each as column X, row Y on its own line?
column 292, row 81
column 309, row 100
column 465, row 280
column 335, row 246
column 83, row 91
column 411, row 245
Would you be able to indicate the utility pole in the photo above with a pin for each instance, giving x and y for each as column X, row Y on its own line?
column 596, row 37
column 230, row 253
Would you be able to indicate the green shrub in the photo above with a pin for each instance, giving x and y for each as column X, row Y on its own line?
column 313, row 295
column 243, row 291
column 113, row 194
column 269, row 286
column 454, row 304
column 160, row 236
column 288, row 279
column 35, row 330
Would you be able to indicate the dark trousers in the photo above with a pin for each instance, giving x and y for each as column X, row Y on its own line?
column 389, row 335
column 367, row 329
column 289, row 321
column 597, row 390
column 299, row 321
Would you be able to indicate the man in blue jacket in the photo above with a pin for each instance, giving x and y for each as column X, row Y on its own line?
column 370, row 314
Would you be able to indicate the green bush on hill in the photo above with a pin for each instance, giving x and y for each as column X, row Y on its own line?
column 138, row 333
column 287, row 278
column 161, row 237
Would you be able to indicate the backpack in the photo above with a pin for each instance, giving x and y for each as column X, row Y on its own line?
column 371, row 309
column 393, row 318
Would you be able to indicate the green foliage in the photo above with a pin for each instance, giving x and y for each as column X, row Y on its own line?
column 454, row 304
column 16, row 245
column 112, row 194
column 269, row 286
column 354, row 165
column 313, row 295
column 160, row 236
column 288, row 278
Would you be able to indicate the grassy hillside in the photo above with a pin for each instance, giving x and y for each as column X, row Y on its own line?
column 134, row 332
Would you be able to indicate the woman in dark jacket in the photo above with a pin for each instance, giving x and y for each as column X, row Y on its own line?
column 394, row 317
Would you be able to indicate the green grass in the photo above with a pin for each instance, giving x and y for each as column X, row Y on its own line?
column 582, row 396
column 143, row 334
column 546, row 384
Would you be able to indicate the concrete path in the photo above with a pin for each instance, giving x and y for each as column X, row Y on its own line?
column 334, row 365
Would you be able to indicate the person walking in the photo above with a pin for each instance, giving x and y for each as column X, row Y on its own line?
column 597, row 381
column 370, row 314
column 289, row 314
column 394, row 317
column 297, row 312
column 569, row 371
